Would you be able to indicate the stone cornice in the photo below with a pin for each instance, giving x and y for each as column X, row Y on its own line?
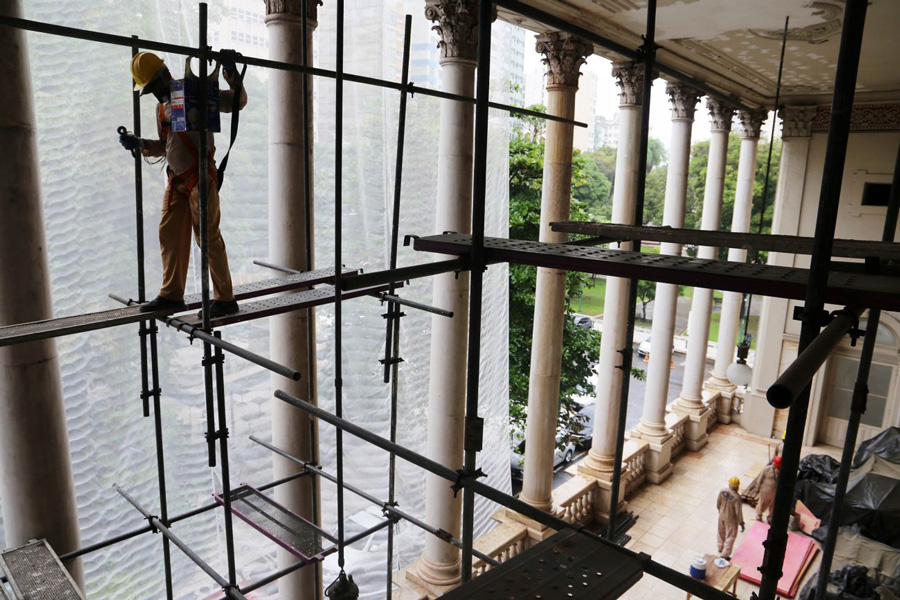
column 630, row 79
column 457, row 24
column 563, row 54
column 721, row 114
column 751, row 122
column 276, row 9
column 683, row 100
column 796, row 121
column 864, row 117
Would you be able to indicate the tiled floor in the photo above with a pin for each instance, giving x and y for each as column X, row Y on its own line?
column 678, row 519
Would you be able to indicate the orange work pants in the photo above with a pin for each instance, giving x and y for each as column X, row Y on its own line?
column 181, row 215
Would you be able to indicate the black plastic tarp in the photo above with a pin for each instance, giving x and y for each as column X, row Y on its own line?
column 885, row 445
column 872, row 502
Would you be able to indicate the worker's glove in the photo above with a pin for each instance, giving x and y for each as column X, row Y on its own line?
column 130, row 142
column 742, row 527
column 228, row 59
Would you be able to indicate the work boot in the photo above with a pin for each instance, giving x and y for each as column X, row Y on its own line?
column 160, row 303
column 220, row 308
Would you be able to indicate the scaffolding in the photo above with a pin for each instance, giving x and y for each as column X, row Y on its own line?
column 875, row 288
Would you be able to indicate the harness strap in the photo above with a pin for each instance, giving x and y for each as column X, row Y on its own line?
column 191, row 177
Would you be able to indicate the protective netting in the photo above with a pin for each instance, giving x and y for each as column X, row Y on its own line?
column 82, row 93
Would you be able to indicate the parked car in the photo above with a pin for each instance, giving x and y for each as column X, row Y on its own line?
column 584, row 432
column 644, row 348
column 583, row 321
column 517, row 454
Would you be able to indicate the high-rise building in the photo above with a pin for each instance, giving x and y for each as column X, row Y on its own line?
column 585, row 110
column 606, row 131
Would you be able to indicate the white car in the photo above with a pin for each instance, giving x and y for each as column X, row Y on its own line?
column 644, row 347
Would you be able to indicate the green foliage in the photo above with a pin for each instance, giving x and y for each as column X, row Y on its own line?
column 646, row 291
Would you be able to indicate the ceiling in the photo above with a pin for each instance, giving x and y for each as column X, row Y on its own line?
column 735, row 45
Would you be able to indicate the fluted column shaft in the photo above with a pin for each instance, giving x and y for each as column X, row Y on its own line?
column 457, row 24
column 290, row 334
column 36, row 481
column 701, row 301
column 653, row 426
column 564, row 56
column 729, row 321
column 600, row 459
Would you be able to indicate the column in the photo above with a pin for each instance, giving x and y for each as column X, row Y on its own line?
column 652, row 427
column 457, row 24
column 563, row 55
column 290, row 335
column 600, row 460
column 36, row 481
column 795, row 138
column 730, row 319
column 690, row 401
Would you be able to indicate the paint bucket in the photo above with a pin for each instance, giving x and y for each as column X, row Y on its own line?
column 698, row 567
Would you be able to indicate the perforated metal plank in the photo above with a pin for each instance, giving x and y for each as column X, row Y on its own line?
column 567, row 566
column 35, row 573
column 289, row 530
column 870, row 291
column 38, row 330
column 728, row 239
column 283, row 304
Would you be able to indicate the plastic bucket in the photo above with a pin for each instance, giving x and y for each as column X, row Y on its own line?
column 698, row 567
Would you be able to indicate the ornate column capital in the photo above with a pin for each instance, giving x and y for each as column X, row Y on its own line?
column 683, row 99
column 751, row 122
column 457, row 24
column 796, row 121
column 630, row 78
column 292, row 9
column 721, row 114
column 563, row 54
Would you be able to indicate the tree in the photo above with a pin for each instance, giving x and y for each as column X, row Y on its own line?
column 531, row 128
column 591, row 187
column 656, row 154
column 646, row 291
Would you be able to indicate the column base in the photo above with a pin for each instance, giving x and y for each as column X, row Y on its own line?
column 696, row 429
column 537, row 532
column 723, row 403
column 603, row 493
column 719, row 384
column 658, row 459
column 435, row 578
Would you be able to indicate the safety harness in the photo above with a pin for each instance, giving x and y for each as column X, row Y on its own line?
column 191, row 177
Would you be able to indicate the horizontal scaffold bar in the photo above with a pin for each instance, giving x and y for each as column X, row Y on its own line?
column 136, row 42
column 871, row 291
column 789, row 244
column 39, row 330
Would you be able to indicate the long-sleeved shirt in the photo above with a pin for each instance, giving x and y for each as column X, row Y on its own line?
column 179, row 156
column 729, row 506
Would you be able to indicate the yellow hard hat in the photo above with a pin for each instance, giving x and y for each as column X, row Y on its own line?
column 734, row 483
column 145, row 66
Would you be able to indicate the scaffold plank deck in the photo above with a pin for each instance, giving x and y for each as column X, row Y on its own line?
column 35, row 572
column 270, row 307
column 38, row 330
column 567, row 566
column 870, row 291
column 289, row 530
column 725, row 239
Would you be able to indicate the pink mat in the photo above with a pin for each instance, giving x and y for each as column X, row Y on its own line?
column 749, row 557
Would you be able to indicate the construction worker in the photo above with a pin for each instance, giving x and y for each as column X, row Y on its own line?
column 181, row 202
column 731, row 516
column 767, row 481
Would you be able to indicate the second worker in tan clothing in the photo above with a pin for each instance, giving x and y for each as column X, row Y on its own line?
column 767, row 482
column 731, row 516
column 181, row 203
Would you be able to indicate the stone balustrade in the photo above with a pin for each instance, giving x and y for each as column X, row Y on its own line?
column 573, row 501
column 506, row 540
column 634, row 471
column 676, row 423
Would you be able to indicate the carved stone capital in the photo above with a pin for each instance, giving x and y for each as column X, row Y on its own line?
column 721, row 114
column 292, row 9
column 457, row 24
column 796, row 121
column 683, row 99
column 630, row 79
column 751, row 122
column 563, row 54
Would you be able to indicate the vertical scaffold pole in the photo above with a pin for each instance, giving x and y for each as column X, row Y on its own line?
column 338, row 206
column 474, row 425
column 222, row 435
column 149, row 329
column 649, row 56
column 826, row 220
column 392, row 335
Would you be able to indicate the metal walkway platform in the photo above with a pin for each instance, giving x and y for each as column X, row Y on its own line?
column 869, row 291
column 283, row 304
column 567, row 566
column 35, row 573
column 39, row 330
column 726, row 239
column 287, row 529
